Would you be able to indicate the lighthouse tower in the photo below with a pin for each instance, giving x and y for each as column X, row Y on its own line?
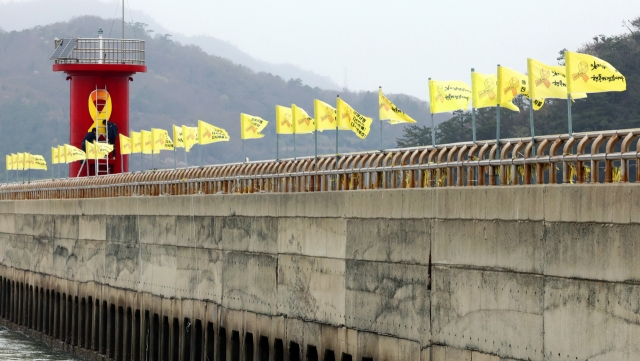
column 99, row 71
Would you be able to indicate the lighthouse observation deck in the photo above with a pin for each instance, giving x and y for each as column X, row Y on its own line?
column 99, row 51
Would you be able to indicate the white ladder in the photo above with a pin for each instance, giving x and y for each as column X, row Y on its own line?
column 102, row 136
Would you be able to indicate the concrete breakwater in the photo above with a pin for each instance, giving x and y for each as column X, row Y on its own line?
column 501, row 273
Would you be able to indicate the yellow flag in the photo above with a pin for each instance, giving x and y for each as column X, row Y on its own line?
column 190, row 137
column 14, row 161
column 302, row 122
column 510, row 84
column 73, row 154
column 161, row 140
column 208, row 133
column 450, row 95
column 37, row 162
column 90, row 150
column 357, row 122
column 136, row 142
column 284, row 123
column 548, row 81
column 588, row 74
column 27, row 161
column 147, row 142
column 325, row 115
column 54, row 155
column 484, row 91
column 21, row 161
column 390, row 112
column 62, row 156
column 8, row 162
column 103, row 149
column 251, row 126
column 178, row 140
column 125, row 144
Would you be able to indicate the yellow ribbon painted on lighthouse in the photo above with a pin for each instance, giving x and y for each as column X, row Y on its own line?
column 105, row 113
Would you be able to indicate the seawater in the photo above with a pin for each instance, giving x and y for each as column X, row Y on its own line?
column 17, row 346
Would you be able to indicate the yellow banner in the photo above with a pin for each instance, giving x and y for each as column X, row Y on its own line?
column 588, row 74
column 251, row 126
column 8, row 162
column 62, row 156
column 14, row 161
column 178, row 140
column 21, row 161
column 54, row 155
column 190, row 137
column 147, row 142
column 325, row 115
column 284, row 122
column 208, row 133
column 90, row 150
column 302, row 122
column 103, row 149
column 449, row 95
column 390, row 112
column 484, row 90
column 37, row 162
column 357, row 122
column 73, row 154
column 510, row 84
column 125, row 144
column 548, row 81
column 161, row 140
column 136, row 142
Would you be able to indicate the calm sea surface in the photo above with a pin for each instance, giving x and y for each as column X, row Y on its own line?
column 17, row 346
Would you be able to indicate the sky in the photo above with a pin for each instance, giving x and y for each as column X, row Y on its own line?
column 395, row 44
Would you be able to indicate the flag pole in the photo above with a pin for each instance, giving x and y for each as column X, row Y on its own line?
column 175, row 161
column 533, row 132
column 473, row 110
column 277, row 146
column 151, row 159
column 121, row 161
column 294, row 145
column 200, row 153
column 498, row 117
column 569, row 115
column 186, row 165
column 380, row 91
column 433, row 129
column 316, row 141
column 337, row 123
column 243, row 156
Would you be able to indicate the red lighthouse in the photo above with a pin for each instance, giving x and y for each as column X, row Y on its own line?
column 99, row 71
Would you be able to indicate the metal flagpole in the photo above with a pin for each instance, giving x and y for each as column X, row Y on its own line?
column 380, row 91
column 243, row 157
column 277, row 147
column 569, row 114
column 121, row 161
column 175, row 161
column 200, row 153
column 433, row 128
column 152, row 160
column 316, row 140
column 473, row 110
column 533, row 132
column 294, row 146
column 186, row 165
column 498, row 127
column 337, row 122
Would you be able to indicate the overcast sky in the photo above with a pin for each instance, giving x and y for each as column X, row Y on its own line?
column 395, row 44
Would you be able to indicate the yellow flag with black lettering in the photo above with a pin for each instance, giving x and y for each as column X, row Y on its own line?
column 103, row 149
column 548, row 81
column 190, row 137
column 484, row 90
column 588, row 74
column 251, row 126
column 136, row 142
column 449, row 95
column 54, row 155
column 62, row 156
column 73, row 154
column 8, row 162
column 37, row 162
column 21, row 161
column 178, row 140
column 208, row 133
column 511, row 84
column 284, row 122
column 90, row 150
column 325, row 115
column 302, row 122
column 125, row 144
column 390, row 112
column 147, row 142
column 358, row 123
column 161, row 140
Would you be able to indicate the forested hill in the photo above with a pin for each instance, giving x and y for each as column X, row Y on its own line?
column 600, row 111
column 183, row 84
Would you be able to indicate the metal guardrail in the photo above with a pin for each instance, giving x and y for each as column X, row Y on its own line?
column 548, row 160
column 106, row 51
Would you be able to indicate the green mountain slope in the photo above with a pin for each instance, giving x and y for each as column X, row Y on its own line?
column 183, row 84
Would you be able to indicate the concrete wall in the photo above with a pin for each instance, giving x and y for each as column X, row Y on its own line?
column 495, row 273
